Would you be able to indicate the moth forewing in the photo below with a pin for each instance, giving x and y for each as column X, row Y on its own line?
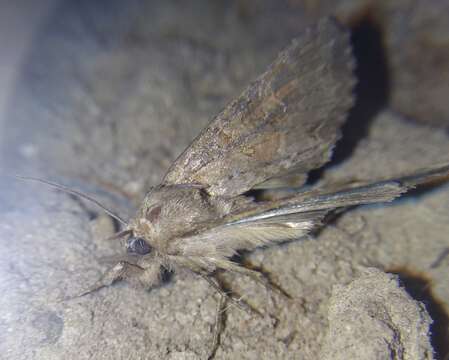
column 287, row 121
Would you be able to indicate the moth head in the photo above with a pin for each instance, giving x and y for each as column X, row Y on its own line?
column 142, row 231
column 137, row 246
column 140, row 236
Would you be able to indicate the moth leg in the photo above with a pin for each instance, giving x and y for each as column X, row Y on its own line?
column 239, row 302
column 122, row 270
column 258, row 277
column 218, row 326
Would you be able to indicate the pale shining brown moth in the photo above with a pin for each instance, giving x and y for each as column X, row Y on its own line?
column 283, row 125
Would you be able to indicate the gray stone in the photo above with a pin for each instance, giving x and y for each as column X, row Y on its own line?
column 108, row 99
column 374, row 318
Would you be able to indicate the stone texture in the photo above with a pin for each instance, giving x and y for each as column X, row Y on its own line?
column 107, row 100
column 374, row 318
column 417, row 42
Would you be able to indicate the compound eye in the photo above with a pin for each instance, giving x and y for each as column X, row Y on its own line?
column 135, row 245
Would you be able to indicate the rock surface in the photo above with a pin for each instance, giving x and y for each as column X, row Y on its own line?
column 417, row 39
column 374, row 314
column 107, row 100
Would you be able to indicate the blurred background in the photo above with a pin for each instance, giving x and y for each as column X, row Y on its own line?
column 19, row 22
column 103, row 95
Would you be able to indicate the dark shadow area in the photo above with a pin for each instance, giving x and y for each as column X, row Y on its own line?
column 440, row 258
column 166, row 275
column 424, row 189
column 420, row 288
column 91, row 214
column 371, row 92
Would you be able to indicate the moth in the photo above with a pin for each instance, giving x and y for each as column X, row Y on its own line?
column 283, row 125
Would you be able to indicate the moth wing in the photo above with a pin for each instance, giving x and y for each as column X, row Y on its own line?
column 286, row 121
column 223, row 241
column 277, row 221
column 293, row 217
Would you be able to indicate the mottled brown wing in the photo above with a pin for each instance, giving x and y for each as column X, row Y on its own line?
column 287, row 121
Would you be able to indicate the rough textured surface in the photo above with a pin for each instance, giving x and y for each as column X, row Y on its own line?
column 414, row 35
column 374, row 314
column 417, row 39
column 108, row 99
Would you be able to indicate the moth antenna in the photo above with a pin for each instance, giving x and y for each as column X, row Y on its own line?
column 76, row 193
column 118, row 235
